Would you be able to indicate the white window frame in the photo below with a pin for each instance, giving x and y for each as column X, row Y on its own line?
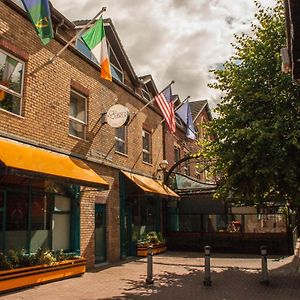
column 77, row 120
column 118, row 68
column 146, row 91
column 118, row 139
column 9, row 91
column 145, row 151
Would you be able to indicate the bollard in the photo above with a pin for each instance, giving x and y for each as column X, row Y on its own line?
column 264, row 266
column 207, row 281
column 149, row 279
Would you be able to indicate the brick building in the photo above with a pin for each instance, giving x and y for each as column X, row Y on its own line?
column 68, row 180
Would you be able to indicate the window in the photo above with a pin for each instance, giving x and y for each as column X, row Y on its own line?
column 121, row 140
column 11, row 83
column 115, row 67
column 146, row 94
column 147, row 149
column 176, row 156
column 78, row 116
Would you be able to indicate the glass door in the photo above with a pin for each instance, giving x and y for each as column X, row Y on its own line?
column 100, row 233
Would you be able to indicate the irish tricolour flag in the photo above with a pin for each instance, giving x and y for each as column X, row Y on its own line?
column 95, row 39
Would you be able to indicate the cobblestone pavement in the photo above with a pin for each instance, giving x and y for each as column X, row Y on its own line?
column 177, row 275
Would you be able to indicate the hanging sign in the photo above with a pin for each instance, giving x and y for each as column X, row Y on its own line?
column 117, row 116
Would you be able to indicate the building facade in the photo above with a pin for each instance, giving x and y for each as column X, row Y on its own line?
column 69, row 180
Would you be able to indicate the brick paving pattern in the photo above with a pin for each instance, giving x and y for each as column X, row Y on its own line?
column 177, row 275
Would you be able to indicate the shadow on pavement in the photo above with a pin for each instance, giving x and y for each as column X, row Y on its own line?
column 227, row 283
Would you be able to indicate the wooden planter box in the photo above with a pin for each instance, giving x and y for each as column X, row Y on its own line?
column 143, row 250
column 30, row 276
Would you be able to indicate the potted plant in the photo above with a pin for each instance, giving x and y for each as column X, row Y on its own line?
column 153, row 239
column 19, row 270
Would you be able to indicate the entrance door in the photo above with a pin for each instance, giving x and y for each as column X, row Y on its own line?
column 100, row 233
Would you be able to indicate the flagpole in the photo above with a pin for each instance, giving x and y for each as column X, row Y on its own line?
column 75, row 37
column 150, row 102
column 188, row 97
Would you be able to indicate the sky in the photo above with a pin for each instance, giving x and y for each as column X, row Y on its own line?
column 178, row 40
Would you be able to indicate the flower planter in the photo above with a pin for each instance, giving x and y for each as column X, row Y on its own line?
column 143, row 250
column 30, row 276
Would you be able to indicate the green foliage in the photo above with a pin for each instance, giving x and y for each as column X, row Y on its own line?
column 151, row 238
column 257, row 150
column 19, row 259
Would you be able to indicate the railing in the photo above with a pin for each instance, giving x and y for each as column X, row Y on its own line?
column 243, row 223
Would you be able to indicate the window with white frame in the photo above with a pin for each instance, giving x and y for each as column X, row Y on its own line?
column 146, row 93
column 11, row 83
column 121, row 140
column 115, row 66
column 78, row 115
column 147, row 147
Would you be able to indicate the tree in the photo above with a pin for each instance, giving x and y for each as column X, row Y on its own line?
column 257, row 149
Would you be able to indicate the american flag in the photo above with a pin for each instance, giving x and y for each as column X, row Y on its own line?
column 166, row 105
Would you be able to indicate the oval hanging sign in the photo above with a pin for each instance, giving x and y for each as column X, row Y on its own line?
column 117, row 116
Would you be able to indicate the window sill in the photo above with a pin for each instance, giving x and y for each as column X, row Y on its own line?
column 121, row 153
column 11, row 113
column 147, row 163
column 77, row 138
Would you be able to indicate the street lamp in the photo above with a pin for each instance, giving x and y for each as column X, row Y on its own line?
column 163, row 165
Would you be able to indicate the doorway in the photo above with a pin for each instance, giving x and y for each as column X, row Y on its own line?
column 100, row 233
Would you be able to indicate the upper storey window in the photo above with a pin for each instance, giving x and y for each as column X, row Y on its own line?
column 11, row 83
column 121, row 140
column 78, row 115
column 146, row 93
column 147, row 147
column 115, row 67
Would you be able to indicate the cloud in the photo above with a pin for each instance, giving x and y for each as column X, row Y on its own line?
column 173, row 39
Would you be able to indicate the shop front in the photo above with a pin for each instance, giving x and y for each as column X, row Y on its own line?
column 143, row 202
column 40, row 198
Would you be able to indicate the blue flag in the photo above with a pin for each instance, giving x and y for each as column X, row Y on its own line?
column 184, row 112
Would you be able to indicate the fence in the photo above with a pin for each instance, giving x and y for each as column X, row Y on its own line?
column 246, row 223
column 229, row 233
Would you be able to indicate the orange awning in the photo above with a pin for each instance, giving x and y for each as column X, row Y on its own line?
column 32, row 159
column 150, row 185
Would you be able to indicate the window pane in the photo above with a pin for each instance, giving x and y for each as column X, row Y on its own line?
column 77, row 107
column 16, row 220
column 116, row 73
column 120, row 133
column 62, row 204
column 10, row 103
column 83, row 48
column 146, row 95
column 40, row 213
column 120, row 146
column 61, row 232
column 40, row 223
column 146, row 141
column 146, row 157
column 77, row 129
column 10, row 72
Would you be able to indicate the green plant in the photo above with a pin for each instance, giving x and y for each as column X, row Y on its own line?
column 5, row 264
column 150, row 238
column 18, row 259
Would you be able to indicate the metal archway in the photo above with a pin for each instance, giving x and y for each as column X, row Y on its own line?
column 186, row 158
